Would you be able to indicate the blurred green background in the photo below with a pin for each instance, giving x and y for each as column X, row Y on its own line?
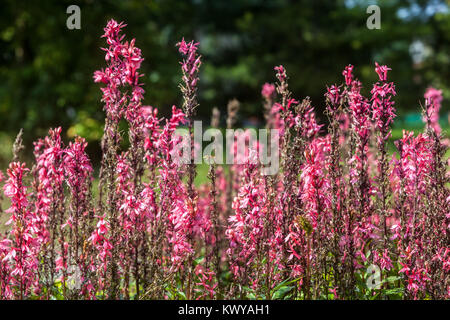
column 46, row 69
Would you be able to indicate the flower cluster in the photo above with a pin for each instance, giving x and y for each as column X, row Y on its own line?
column 340, row 206
column 20, row 262
column 434, row 100
column 124, row 60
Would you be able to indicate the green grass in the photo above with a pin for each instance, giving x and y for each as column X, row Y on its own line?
column 202, row 174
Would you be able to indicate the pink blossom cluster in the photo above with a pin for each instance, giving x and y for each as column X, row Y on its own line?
column 19, row 263
column 433, row 101
column 340, row 205
column 124, row 60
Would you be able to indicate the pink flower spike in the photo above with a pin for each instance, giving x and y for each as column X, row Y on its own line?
column 347, row 73
column 381, row 71
column 268, row 90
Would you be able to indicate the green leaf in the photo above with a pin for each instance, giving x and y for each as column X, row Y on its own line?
column 282, row 292
column 393, row 278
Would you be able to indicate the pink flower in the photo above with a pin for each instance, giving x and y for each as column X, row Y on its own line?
column 23, row 247
column 383, row 111
column 347, row 73
column 100, row 239
column 334, row 95
column 267, row 91
column 381, row 71
column 281, row 73
column 190, row 66
column 124, row 60
column 433, row 105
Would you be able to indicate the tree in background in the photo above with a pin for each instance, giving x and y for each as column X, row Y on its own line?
column 46, row 68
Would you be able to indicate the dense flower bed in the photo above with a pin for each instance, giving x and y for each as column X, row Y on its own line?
column 342, row 219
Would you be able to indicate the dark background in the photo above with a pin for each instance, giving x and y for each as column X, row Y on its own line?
column 46, row 69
